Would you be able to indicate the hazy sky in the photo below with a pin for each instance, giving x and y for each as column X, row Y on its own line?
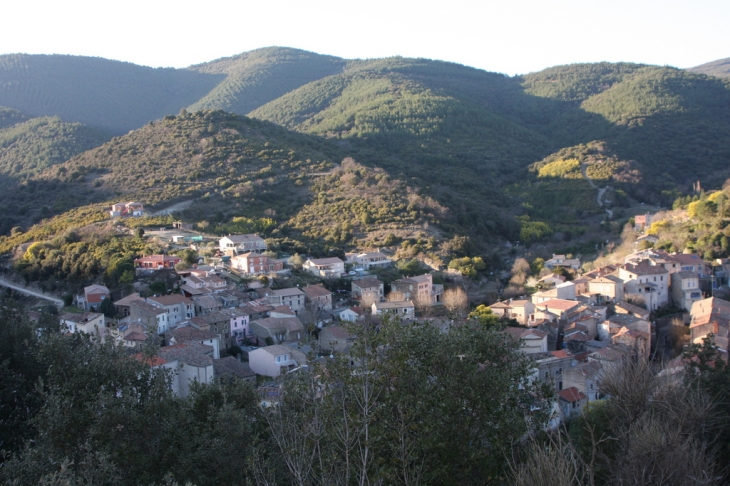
column 508, row 36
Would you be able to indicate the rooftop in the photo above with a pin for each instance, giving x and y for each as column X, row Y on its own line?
column 192, row 353
column 571, row 395
column 230, row 366
column 316, row 291
column 364, row 283
column 189, row 333
column 290, row 292
column 559, row 304
column 171, row 299
column 80, row 318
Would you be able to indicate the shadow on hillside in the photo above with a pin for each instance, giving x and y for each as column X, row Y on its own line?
column 25, row 203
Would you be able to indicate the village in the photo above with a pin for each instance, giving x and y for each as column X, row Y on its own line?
column 224, row 319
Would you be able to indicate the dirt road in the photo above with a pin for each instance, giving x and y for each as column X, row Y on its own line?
column 34, row 293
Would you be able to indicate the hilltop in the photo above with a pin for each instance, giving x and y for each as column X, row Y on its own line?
column 719, row 68
column 244, row 175
column 470, row 141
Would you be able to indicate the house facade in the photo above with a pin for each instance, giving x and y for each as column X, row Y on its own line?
column 93, row 296
column 235, row 244
column 86, row 322
column 318, row 296
column 368, row 288
column 292, row 298
column 252, row 263
column 419, row 289
column 325, row 267
column 126, row 210
column 367, row 261
column 157, row 262
column 270, row 360
column 647, row 280
column 685, row 289
column 178, row 307
column 403, row 309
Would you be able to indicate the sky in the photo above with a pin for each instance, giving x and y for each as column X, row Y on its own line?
column 507, row 36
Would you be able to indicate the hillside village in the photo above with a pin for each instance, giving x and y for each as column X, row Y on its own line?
column 346, row 272
column 239, row 315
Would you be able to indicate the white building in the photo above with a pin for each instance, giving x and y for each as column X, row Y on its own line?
column 647, row 280
column 685, row 289
column 86, row 322
column 404, row 309
column 269, row 360
column 325, row 267
column 234, row 244
column 190, row 362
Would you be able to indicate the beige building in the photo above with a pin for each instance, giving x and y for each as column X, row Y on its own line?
column 609, row 287
column 271, row 360
column 685, row 289
column 319, row 296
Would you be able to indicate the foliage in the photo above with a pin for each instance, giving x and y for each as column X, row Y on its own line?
column 486, row 318
column 402, row 414
column 468, row 266
column 567, row 169
column 29, row 147
column 144, row 432
column 80, row 255
column 532, row 231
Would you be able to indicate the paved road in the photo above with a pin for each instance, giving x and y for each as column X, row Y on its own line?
column 34, row 293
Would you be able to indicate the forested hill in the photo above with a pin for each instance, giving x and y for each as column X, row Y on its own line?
column 254, row 78
column 120, row 96
column 719, row 68
column 239, row 175
column 466, row 138
column 110, row 95
column 29, row 147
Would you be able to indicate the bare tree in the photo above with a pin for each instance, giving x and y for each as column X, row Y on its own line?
column 520, row 271
column 456, row 302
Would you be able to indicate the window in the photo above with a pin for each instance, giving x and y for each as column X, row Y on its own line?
column 278, row 359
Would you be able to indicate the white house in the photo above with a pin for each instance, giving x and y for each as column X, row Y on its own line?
column 370, row 260
column 178, row 307
column 404, row 309
column 647, row 280
column 325, row 267
column 190, row 362
column 561, row 261
column 685, row 289
column 533, row 341
column 352, row 314
column 269, row 360
column 234, row 244
column 86, row 322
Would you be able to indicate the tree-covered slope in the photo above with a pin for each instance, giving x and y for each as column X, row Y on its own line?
column 447, row 128
column 254, row 78
column 241, row 175
column 116, row 96
column 8, row 117
column 674, row 124
column 719, row 68
column 29, row 147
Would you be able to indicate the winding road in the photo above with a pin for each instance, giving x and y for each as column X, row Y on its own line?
column 601, row 190
column 21, row 289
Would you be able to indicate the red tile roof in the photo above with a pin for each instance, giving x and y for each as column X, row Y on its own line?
column 571, row 395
